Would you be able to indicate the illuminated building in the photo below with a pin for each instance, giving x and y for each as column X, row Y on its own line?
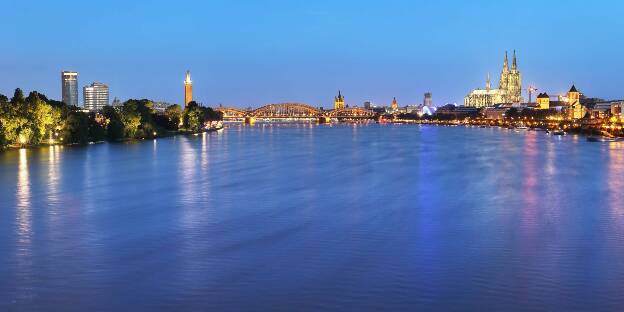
column 188, row 88
column 428, row 101
column 339, row 102
column 543, row 101
column 509, row 88
column 394, row 106
column 575, row 109
column 69, row 89
column 95, row 96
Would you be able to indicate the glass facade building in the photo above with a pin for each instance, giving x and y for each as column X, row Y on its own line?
column 95, row 96
column 69, row 85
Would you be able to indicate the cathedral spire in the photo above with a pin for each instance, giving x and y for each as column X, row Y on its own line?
column 514, row 65
column 506, row 63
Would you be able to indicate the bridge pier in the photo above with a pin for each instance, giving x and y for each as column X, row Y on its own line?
column 250, row 120
column 324, row 119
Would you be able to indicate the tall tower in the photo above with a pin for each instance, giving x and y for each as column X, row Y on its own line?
column 428, row 100
column 575, row 109
column 504, row 76
column 188, row 88
column 339, row 102
column 574, row 96
column 69, row 87
column 488, row 84
column 514, row 82
column 395, row 105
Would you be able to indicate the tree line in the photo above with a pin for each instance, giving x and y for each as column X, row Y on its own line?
column 35, row 120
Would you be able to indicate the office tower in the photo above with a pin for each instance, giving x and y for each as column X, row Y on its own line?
column 95, row 96
column 69, row 88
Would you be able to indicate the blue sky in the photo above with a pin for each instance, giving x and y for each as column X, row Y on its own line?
column 250, row 53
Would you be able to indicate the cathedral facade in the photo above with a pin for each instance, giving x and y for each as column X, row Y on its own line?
column 509, row 88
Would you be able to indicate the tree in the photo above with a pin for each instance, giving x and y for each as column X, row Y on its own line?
column 114, row 126
column 77, row 128
column 130, row 118
column 174, row 116
column 194, row 117
column 97, row 132
column 18, row 96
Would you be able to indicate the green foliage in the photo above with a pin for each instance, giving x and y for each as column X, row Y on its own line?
column 114, row 127
column 97, row 132
column 174, row 116
column 27, row 120
column 77, row 128
column 195, row 116
column 35, row 119
column 18, row 96
column 131, row 119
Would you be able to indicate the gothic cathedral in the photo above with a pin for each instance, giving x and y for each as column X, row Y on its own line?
column 509, row 88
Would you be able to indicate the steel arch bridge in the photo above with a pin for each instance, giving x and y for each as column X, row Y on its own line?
column 294, row 111
column 230, row 112
column 287, row 110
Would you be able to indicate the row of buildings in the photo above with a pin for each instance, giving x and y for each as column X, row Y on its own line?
column 95, row 96
column 426, row 108
column 496, row 101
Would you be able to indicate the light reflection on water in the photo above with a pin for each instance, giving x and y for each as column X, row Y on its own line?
column 24, row 213
column 316, row 217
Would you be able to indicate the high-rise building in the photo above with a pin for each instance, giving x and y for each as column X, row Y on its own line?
column 188, row 88
column 339, row 102
column 509, row 88
column 428, row 100
column 95, row 96
column 69, row 88
column 368, row 104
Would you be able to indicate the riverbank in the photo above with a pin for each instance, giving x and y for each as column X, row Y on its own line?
column 585, row 127
column 125, row 140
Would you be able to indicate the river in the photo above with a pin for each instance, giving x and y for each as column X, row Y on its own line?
column 304, row 217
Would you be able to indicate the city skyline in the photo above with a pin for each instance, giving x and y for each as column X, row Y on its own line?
column 373, row 52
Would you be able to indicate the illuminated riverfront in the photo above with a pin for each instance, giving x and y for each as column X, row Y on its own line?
column 311, row 156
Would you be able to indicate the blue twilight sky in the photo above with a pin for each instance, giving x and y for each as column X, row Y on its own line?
column 249, row 53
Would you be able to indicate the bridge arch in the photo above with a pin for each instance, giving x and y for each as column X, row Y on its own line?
column 286, row 110
column 231, row 112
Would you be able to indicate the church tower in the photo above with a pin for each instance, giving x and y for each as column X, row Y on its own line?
column 188, row 88
column 504, row 77
column 339, row 102
column 575, row 108
column 514, row 82
column 395, row 105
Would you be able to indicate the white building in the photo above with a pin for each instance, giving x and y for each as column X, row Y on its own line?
column 95, row 96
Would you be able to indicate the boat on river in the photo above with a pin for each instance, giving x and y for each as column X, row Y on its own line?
column 557, row 132
column 603, row 139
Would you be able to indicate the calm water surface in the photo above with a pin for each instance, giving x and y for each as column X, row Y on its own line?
column 307, row 217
